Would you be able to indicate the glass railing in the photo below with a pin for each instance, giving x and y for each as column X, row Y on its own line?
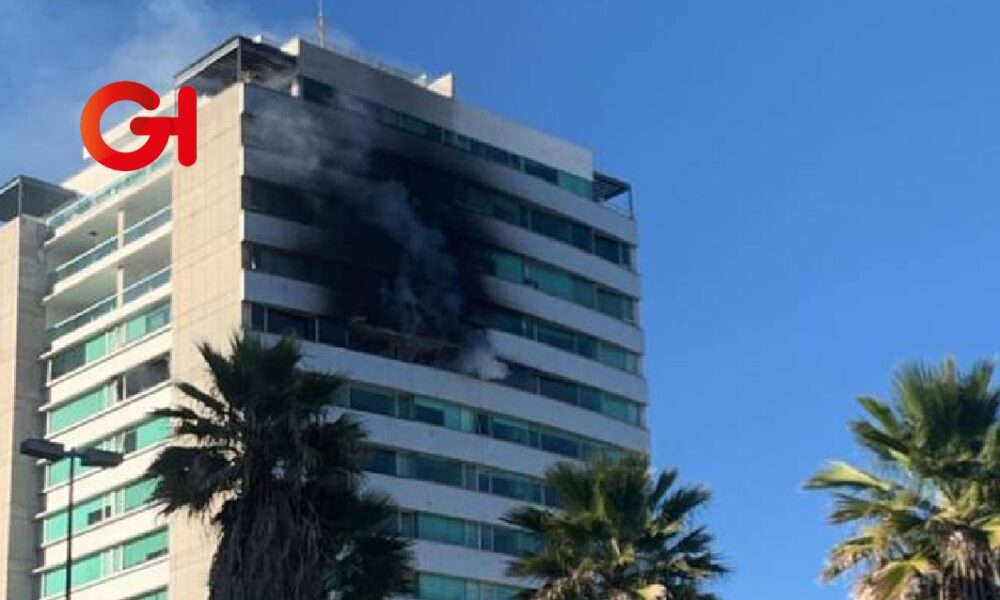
column 108, row 192
column 103, row 307
column 146, row 285
column 133, row 233
column 146, row 225
column 89, row 257
column 92, row 312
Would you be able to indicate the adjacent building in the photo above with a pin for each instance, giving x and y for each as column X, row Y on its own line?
column 474, row 279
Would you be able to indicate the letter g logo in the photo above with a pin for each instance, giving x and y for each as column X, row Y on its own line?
column 158, row 129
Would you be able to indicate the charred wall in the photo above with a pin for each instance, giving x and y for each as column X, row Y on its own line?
column 400, row 261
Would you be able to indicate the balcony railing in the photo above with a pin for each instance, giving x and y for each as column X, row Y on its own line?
column 146, row 225
column 74, row 322
column 89, row 257
column 132, row 234
column 145, row 285
column 108, row 192
column 102, row 307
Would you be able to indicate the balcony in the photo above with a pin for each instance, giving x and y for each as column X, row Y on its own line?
column 102, row 307
column 81, row 261
column 107, row 193
column 130, row 235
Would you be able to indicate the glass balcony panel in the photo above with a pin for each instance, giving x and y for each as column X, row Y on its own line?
column 146, row 285
column 74, row 322
column 81, row 261
column 150, row 223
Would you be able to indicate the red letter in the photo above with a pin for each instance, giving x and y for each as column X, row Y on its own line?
column 158, row 129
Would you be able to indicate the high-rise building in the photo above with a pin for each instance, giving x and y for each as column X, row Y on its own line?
column 474, row 279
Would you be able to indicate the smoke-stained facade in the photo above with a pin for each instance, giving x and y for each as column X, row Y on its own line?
column 474, row 280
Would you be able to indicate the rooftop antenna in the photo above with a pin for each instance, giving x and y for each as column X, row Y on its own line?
column 320, row 24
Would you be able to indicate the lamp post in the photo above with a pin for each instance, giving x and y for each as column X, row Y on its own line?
column 89, row 457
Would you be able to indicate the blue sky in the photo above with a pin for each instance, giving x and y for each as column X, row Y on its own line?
column 816, row 183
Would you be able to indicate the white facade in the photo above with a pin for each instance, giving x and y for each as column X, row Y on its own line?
column 144, row 265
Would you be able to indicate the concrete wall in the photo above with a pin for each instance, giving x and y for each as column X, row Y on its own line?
column 207, row 291
column 22, row 320
column 367, row 82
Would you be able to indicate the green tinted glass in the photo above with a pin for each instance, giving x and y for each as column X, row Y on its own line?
column 79, row 409
column 507, row 266
column 440, row 587
column 54, row 527
column 440, row 529
column 87, row 569
column 152, row 432
column 137, row 494
column 144, row 549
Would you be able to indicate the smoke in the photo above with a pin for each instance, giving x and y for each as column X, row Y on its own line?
column 427, row 290
column 479, row 359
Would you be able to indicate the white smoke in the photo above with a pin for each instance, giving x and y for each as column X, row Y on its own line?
column 479, row 359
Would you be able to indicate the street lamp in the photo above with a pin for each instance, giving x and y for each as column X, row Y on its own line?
column 89, row 457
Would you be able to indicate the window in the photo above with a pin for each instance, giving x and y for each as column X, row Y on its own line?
column 549, row 280
column 413, row 124
column 621, row 409
column 618, row 357
column 441, row 529
column 561, row 444
column 505, row 320
column 550, row 225
column 582, row 237
column 586, row 346
column 576, row 185
column 511, row 486
column 146, row 376
column 438, row 470
column 541, row 171
column 608, row 249
column 553, row 335
column 381, row 461
column 126, row 442
column 559, row 389
column 144, row 549
column 440, row 587
column 331, row 332
column 521, row 378
column 584, row 292
column 106, row 342
column 316, row 91
column 286, row 323
column 435, row 412
column 105, row 563
column 84, row 406
column 506, row 266
column 137, row 494
column 510, row 430
column 506, row 540
column 371, row 400
column 614, row 305
column 54, row 527
column 498, row 155
column 152, row 432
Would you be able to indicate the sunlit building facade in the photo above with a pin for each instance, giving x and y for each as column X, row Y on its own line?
column 108, row 281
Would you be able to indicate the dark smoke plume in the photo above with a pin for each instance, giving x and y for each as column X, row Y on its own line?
column 409, row 264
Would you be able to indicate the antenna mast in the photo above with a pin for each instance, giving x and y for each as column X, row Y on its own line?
column 320, row 24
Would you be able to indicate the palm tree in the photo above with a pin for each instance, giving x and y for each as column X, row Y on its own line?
column 621, row 535
column 926, row 517
column 279, row 477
